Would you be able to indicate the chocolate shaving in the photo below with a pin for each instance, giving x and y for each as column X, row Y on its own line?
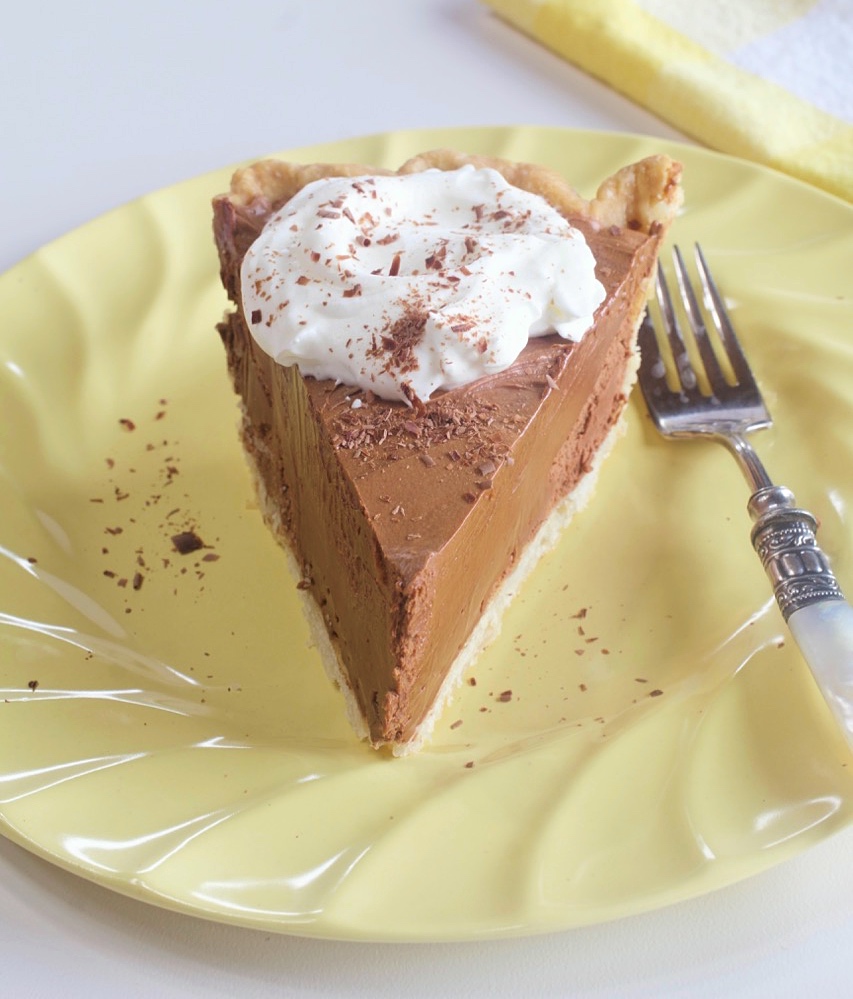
column 186, row 542
column 435, row 261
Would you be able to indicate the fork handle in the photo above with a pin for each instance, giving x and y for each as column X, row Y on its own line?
column 808, row 595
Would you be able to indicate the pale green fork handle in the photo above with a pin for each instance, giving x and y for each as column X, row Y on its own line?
column 824, row 633
column 808, row 595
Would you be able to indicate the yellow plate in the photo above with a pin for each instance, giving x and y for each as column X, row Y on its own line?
column 165, row 732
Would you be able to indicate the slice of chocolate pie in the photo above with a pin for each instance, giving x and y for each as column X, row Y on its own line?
column 432, row 365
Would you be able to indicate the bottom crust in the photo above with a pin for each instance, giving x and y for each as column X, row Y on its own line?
column 488, row 627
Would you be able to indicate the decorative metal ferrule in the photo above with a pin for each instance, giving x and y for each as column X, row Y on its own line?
column 784, row 538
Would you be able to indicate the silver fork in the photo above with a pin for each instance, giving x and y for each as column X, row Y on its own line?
column 722, row 401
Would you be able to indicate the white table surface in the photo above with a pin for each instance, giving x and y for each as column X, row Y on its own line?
column 105, row 102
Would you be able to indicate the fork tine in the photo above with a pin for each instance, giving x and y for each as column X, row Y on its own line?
column 722, row 323
column 683, row 366
column 697, row 324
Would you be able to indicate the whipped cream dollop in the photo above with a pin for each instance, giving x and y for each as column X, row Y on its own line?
column 406, row 284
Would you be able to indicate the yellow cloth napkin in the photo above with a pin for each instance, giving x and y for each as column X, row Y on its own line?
column 767, row 80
